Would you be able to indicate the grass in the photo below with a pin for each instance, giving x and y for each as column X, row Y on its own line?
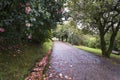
column 15, row 67
column 95, row 51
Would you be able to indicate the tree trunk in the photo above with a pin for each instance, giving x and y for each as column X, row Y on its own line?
column 62, row 38
column 103, row 46
column 107, row 51
column 112, row 40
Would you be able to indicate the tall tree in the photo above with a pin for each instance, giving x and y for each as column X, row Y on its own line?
column 101, row 15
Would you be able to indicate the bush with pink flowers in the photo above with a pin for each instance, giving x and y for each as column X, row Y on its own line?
column 24, row 21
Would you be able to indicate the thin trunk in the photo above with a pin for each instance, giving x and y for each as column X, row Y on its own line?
column 112, row 40
column 66, row 39
column 62, row 38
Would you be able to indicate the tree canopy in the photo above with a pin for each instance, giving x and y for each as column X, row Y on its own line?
column 101, row 15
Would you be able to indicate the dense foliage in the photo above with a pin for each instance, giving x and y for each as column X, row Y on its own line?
column 27, row 20
column 101, row 16
column 68, row 32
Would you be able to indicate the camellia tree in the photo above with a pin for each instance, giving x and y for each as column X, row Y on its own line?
column 101, row 15
column 12, row 23
column 44, row 16
column 22, row 20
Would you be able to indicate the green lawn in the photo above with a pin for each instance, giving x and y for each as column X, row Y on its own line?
column 15, row 67
column 96, row 51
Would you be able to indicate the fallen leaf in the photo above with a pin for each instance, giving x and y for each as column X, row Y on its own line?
column 71, row 66
column 70, row 78
column 61, row 76
column 50, row 75
column 66, row 77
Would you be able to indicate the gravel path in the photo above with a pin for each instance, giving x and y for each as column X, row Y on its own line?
column 69, row 63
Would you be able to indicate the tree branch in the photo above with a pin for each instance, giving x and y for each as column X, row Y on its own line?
column 118, row 27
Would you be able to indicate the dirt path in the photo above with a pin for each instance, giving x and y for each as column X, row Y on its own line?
column 69, row 63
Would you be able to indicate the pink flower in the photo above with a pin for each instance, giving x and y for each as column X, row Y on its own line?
column 27, row 9
column 2, row 30
column 30, row 37
column 28, row 25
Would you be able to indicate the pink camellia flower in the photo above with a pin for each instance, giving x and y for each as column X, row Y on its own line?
column 2, row 30
column 27, row 9
column 30, row 37
column 28, row 25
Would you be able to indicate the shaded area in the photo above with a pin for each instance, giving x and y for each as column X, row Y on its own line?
column 69, row 63
column 16, row 66
column 37, row 71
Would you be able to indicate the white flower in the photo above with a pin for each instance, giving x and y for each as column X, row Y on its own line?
column 28, row 24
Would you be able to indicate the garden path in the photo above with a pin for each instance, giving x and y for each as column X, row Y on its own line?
column 69, row 63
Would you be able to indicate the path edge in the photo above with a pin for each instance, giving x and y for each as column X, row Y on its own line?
column 38, row 69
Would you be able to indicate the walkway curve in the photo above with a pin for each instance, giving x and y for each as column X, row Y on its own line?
column 69, row 63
